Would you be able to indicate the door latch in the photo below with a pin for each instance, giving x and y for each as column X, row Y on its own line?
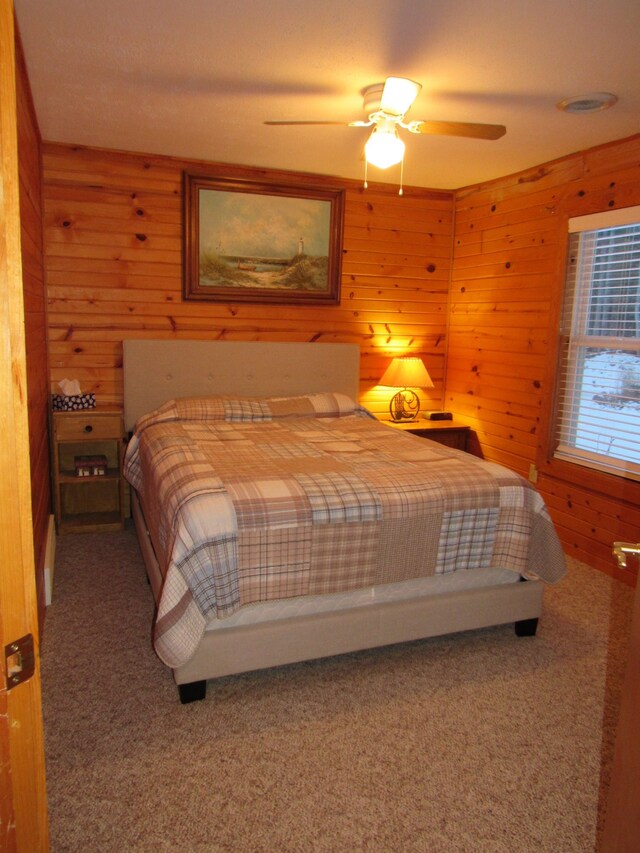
column 621, row 549
column 19, row 661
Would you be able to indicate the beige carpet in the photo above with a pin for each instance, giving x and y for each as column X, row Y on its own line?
column 471, row 743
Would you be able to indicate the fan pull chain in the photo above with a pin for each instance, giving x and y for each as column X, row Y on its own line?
column 366, row 166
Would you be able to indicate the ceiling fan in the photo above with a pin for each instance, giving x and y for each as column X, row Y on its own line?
column 386, row 104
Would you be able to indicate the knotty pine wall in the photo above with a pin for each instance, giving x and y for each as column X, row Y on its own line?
column 113, row 255
column 35, row 313
column 507, row 279
column 113, row 233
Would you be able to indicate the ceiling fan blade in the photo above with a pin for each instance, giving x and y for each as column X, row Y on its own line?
column 398, row 95
column 339, row 123
column 459, row 128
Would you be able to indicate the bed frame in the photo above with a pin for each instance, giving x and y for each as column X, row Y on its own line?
column 155, row 371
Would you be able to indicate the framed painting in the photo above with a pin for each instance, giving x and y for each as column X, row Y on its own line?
column 248, row 241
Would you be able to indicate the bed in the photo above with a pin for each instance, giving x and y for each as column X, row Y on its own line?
column 280, row 522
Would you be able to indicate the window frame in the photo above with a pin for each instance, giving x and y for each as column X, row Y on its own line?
column 593, row 477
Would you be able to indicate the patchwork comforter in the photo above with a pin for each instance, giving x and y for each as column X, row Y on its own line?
column 259, row 499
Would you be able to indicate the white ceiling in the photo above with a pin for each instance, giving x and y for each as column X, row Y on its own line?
column 198, row 78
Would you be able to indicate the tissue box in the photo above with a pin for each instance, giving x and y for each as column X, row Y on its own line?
column 74, row 402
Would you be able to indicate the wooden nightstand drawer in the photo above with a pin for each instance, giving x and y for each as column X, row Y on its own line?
column 74, row 426
column 449, row 433
column 450, row 437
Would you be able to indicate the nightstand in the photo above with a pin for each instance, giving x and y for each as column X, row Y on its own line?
column 88, row 486
column 450, row 433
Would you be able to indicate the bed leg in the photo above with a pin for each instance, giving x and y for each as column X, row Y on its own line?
column 192, row 692
column 526, row 627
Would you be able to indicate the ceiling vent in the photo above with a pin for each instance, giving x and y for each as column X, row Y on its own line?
column 591, row 103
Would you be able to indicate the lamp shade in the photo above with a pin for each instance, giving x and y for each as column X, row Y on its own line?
column 398, row 95
column 406, row 372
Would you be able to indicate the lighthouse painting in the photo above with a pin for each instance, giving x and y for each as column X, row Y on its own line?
column 254, row 242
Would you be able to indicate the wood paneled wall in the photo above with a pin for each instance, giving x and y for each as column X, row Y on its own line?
column 507, row 280
column 113, row 232
column 35, row 314
column 113, row 239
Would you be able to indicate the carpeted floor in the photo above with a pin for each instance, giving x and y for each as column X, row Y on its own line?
column 475, row 743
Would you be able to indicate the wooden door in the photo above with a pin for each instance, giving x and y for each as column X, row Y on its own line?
column 23, row 810
column 622, row 824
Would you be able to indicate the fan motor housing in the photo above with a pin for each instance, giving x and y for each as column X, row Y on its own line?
column 371, row 98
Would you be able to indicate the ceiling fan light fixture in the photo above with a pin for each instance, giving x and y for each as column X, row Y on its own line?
column 384, row 148
column 386, row 104
column 398, row 95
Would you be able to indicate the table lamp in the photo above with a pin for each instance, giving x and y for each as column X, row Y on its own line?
column 406, row 372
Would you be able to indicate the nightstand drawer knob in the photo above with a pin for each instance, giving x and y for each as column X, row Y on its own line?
column 88, row 428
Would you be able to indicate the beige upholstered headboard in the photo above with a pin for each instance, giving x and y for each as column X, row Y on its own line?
column 156, row 371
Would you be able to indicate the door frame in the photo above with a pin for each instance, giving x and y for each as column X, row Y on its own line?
column 23, row 806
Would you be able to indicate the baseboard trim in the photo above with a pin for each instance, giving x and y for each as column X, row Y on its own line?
column 49, row 560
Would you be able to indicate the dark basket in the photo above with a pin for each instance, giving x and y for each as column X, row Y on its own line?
column 73, row 402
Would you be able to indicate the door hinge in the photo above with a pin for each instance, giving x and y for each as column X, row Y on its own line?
column 19, row 661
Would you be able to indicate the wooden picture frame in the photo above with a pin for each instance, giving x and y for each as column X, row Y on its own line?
column 252, row 241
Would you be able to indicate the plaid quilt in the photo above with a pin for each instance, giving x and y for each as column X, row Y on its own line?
column 259, row 499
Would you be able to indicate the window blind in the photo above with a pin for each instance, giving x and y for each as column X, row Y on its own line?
column 598, row 394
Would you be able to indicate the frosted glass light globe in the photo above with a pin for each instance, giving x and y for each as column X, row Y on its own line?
column 384, row 149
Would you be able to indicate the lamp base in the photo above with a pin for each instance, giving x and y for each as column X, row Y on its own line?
column 404, row 406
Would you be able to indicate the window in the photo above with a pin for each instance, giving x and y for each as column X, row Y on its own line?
column 598, row 403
